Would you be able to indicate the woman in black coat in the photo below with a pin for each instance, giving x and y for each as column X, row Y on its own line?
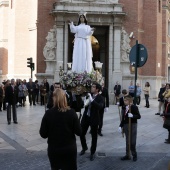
column 59, row 125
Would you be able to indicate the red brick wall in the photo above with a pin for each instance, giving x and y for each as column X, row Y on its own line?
column 45, row 23
column 145, row 20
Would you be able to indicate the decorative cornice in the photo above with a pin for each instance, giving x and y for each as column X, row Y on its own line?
column 4, row 3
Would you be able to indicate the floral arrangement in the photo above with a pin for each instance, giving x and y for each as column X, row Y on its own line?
column 73, row 79
column 78, row 82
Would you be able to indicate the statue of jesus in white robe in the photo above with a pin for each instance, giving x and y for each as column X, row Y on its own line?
column 82, row 50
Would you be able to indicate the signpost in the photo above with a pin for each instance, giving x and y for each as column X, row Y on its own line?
column 138, row 57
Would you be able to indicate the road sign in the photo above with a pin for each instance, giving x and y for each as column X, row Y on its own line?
column 142, row 55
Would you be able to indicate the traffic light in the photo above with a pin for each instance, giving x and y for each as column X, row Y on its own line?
column 29, row 62
column 32, row 66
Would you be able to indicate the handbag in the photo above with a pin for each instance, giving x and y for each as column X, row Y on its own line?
column 26, row 93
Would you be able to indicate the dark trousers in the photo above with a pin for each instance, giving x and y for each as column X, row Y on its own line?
column 14, row 113
column 132, row 140
column 31, row 98
column 147, row 100
column 101, row 115
column 0, row 106
column 36, row 97
column 85, row 125
column 42, row 100
column 4, row 105
column 22, row 101
column 138, row 98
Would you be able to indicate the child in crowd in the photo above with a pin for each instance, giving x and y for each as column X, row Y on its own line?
column 131, row 112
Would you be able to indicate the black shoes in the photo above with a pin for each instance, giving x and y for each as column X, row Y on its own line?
column 125, row 158
column 134, row 158
column 83, row 151
column 92, row 157
column 157, row 113
column 167, row 141
column 15, row 122
column 100, row 134
column 9, row 123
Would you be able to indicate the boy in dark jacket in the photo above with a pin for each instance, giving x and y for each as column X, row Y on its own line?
column 131, row 112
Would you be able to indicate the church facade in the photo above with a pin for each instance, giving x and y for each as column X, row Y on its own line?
column 39, row 29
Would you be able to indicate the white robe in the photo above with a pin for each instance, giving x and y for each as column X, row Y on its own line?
column 82, row 50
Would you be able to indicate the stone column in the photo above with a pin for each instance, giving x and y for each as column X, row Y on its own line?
column 65, row 46
column 59, row 50
column 110, row 86
column 117, row 74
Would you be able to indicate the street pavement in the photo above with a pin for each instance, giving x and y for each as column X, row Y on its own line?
column 22, row 148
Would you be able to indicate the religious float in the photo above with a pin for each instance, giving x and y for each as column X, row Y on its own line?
column 80, row 83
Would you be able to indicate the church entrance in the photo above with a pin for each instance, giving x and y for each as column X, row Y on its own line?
column 100, row 46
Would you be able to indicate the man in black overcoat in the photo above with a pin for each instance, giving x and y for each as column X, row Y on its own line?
column 117, row 91
column 11, row 96
column 31, row 90
column 91, row 118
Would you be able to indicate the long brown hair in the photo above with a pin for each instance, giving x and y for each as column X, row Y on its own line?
column 60, row 100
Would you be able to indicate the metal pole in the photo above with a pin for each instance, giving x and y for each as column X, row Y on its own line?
column 136, row 65
column 129, row 135
column 31, row 72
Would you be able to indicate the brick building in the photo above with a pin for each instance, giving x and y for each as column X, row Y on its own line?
column 25, row 26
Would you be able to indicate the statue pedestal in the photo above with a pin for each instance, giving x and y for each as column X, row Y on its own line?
column 50, row 66
column 40, row 77
column 56, row 76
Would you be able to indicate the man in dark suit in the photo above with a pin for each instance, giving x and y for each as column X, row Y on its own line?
column 91, row 118
column 31, row 90
column 11, row 95
column 117, row 90
column 105, row 94
column 57, row 85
